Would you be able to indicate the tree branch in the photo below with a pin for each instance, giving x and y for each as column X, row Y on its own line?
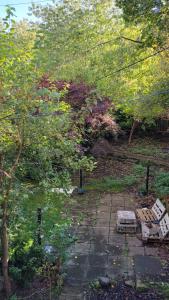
column 4, row 173
column 134, row 63
column 13, row 168
column 98, row 45
column 131, row 40
column 6, row 117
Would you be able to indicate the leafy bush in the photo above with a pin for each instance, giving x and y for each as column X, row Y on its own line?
column 125, row 121
column 139, row 170
column 164, row 289
column 90, row 111
column 25, row 261
column 161, row 184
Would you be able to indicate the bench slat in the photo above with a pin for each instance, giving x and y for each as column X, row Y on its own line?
column 153, row 214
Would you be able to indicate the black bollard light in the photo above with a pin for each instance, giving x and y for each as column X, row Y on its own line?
column 147, row 179
column 80, row 189
column 39, row 222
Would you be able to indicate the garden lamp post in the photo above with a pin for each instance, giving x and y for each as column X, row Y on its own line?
column 80, row 189
column 39, row 222
column 147, row 179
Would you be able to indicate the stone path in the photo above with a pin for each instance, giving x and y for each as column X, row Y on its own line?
column 100, row 250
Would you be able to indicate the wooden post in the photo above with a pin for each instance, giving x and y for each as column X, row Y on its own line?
column 39, row 221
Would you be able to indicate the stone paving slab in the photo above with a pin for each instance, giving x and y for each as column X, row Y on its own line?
column 100, row 250
column 118, row 202
column 132, row 251
column 103, row 209
column 133, row 241
column 152, row 251
column 83, row 247
column 75, row 259
column 98, row 246
column 117, row 239
column 95, row 260
column 115, row 249
column 146, row 265
column 95, row 272
column 101, row 231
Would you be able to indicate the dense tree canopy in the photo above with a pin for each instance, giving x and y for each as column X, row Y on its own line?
column 96, row 46
column 91, row 57
column 152, row 15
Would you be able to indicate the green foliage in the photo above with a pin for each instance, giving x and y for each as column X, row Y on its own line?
column 95, row 285
column 13, row 297
column 163, row 288
column 161, row 184
column 155, row 21
column 37, row 154
column 74, row 41
column 149, row 150
column 125, row 121
column 99, row 49
column 139, row 170
column 111, row 184
column 25, row 261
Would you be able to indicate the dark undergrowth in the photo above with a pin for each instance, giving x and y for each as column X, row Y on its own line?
column 122, row 291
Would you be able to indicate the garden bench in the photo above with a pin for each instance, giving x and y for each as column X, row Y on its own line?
column 150, row 215
column 156, row 232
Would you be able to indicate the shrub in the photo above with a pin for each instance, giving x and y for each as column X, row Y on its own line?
column 90, row 111
column 25, row 261
column 161, row 184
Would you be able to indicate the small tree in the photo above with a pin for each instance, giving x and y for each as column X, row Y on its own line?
column 34, row 146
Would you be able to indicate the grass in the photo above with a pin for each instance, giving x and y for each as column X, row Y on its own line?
column 149, row 150
column 112, row 184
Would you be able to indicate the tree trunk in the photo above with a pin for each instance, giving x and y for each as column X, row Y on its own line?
column 4, row 226
column 4, row 234
column 4, row 242
column 135, row 124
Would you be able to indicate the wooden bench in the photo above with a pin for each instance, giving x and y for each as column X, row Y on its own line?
column 156, row 232
column 150, row 215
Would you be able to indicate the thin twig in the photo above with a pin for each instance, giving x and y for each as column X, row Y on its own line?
column 5, row 173
column 6, row 117
column 131, row 40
